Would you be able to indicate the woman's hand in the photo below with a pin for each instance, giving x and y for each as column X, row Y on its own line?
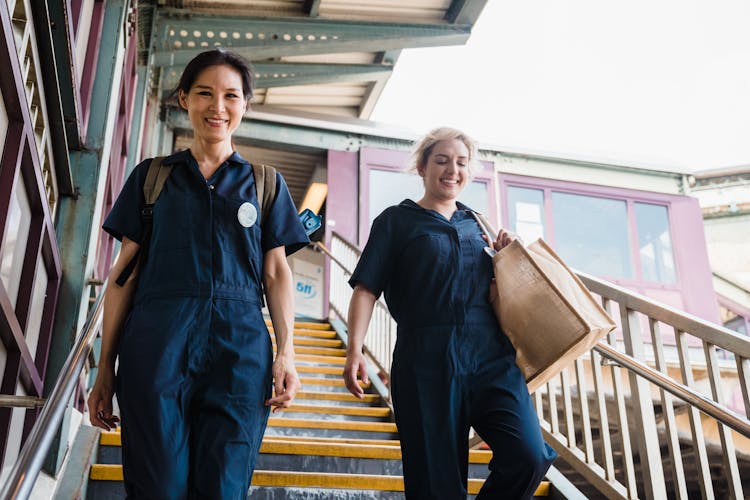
column 100, row 400
column 356, row 364
column 504, row 238
column 285, row 383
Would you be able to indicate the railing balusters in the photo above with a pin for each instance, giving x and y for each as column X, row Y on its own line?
column 567, row 401
column 731, row 470
column 743, row 372
column 552, row 401
column 696, row 426
column 652, row 473
column 673, row 443
column 601, row 403
column 583, row 409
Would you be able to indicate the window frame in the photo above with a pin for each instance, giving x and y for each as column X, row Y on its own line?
column 629, row 196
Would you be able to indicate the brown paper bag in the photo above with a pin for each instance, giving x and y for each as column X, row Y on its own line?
column 543, row 307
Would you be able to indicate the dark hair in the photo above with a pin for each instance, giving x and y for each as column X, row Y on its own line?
column 216, row 57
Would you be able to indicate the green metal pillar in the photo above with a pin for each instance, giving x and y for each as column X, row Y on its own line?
column 78, row 216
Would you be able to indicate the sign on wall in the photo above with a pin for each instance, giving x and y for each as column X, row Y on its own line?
column 309, row 291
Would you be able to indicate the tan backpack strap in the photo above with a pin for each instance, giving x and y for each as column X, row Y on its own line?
column 155, row 178
column 265, row 186
column 485, row 225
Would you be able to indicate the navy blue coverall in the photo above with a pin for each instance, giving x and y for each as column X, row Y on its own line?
column 453, row 368
column 195, row 355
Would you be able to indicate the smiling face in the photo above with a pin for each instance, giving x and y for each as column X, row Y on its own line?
column 215, row 104
column 446, row 170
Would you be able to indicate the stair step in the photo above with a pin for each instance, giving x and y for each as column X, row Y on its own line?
column 338, row 396
column 333, row 382
column 317, row 351
column 349, row 450
column 305, row 439
column 314, row 342
column 313, row 358
column 323, row 370
column 307, row 325
column 358, row 411
column 342, row 425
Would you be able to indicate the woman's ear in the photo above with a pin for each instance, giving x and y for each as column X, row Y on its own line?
column 420, row 170
column 182, row 98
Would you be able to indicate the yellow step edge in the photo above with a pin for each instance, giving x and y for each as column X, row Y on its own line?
column 323, row 370
column 341, row 425
column 318, row 351
column 359, row 411
column 343, row 450
column 333, row 382
column 101, row 472
column 314, row 342
column 331, row 360
column 314, row 439
column 293, row 445
column 111, row 438
column 337, row 396
column 309, row 325
column 351, row 450
column 316, row 334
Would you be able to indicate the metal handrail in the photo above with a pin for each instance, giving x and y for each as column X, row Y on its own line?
column 26, row 469
column 704, row 404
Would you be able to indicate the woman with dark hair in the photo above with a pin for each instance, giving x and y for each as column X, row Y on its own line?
column 453, row 368
column 195, row 365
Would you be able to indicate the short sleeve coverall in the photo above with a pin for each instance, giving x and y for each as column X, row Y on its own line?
column 453, row 368
column 195, row 355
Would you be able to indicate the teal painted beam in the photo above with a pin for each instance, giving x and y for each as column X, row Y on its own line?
column 267, row 134
column 262, row 38
column 465, row 11
column 77, row 215
column 282, row 74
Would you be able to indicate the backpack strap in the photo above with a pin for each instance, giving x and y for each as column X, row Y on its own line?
column 265, row 186
column 156, row 177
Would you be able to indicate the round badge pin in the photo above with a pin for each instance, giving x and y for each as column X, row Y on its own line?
column 247, row 214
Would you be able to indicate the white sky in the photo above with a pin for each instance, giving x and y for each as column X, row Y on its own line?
column 660, row 82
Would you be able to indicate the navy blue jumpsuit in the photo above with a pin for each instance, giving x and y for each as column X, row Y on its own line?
column 453, row 368
column 195, row 355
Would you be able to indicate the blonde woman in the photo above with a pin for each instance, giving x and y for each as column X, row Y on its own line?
column 453, row 368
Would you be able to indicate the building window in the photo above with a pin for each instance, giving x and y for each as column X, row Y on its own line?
column 613, row 235
column 526, row 212
column 591, row 234
column 655, row 243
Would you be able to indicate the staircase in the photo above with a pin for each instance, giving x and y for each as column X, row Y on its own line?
column 327, row 445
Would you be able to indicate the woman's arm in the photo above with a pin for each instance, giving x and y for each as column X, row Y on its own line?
column 277, row 278
column 360, row 312
column 117, row 301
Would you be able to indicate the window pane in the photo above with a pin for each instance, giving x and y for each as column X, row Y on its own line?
column 657, row 259
column 37, row 307
column 475, row 197
column 591, row 234
column 526, row 212
column 391, row 187
column 16, row 235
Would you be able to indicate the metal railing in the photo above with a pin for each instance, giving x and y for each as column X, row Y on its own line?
column 24, row 473
column 636, row 405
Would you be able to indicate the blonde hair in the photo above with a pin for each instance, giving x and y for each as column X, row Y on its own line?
column 423, row 148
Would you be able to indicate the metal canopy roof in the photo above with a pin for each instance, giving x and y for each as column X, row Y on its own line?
column 325, row 56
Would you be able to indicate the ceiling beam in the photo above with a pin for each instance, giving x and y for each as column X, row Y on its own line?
column 282, row 74
column 464, row 11
column 181, row 39
column 274, row 135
